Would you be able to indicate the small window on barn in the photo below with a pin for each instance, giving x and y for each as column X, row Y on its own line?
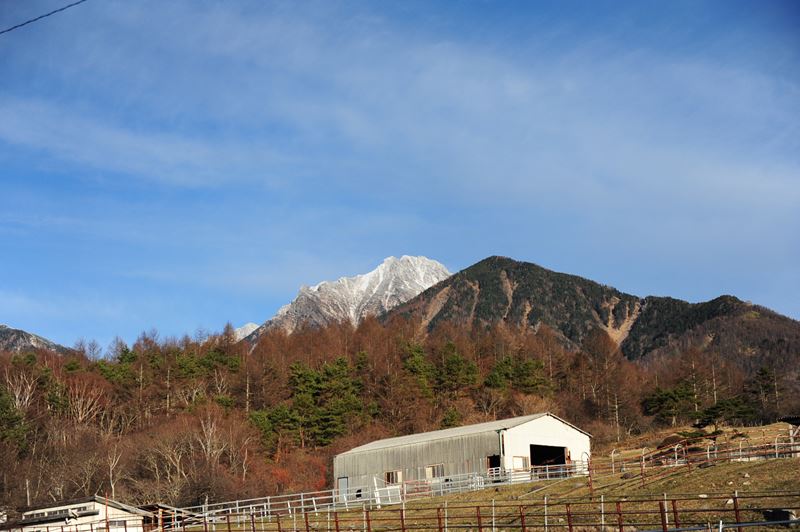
column 434, row 471
column 521, row 462
column 393, row 477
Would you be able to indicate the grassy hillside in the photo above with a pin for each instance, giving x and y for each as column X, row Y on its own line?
column 695, row 496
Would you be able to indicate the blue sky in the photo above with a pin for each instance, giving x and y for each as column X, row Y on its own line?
column 178, row 165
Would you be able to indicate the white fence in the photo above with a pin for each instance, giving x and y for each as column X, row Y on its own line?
column 380, row 493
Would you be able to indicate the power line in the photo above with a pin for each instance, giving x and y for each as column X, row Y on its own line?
column 12, row 28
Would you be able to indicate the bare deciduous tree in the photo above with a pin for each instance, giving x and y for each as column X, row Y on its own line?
column 22, row 387
column 112, row 461
column 210, row 439
column 85, row 400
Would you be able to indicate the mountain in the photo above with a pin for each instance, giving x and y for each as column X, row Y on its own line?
column 240, row 333
column 17, row 340
column 499, row 289
column 353, row 298
column 751, row 335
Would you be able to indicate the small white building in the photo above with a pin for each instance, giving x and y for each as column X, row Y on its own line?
column 522, row 447
column 88, row 514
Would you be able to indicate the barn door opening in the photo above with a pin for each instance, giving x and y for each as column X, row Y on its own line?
column 549, row 459
column 542, row 455
column 493, row 465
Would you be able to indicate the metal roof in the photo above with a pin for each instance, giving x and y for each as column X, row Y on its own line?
column 92, row 498
column 467, row 430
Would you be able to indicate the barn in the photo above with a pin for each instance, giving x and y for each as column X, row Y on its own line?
column 526, row 446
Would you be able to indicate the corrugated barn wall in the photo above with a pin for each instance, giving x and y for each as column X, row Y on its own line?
column 461, row 454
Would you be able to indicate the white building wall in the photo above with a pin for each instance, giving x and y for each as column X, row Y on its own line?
column 87, row 523
column 545, row 430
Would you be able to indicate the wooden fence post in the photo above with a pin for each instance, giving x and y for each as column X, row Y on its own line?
column 205, row 523
column 569, row 517
column 663, row 511
column 439, row 518
column 736, row 510
column 369, row 522
column 642, row 471
column 305, row 518
column 522, row 518
column 675, row 513
column 228, row 521
column 253, row 522
column 478, row 512
column 336, row 520
column 619, row 517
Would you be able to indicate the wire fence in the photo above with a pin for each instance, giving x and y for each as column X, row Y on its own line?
column 115, row 524
column 408, row 506
column 716, row 511
column 675, row 513
column 648, row 466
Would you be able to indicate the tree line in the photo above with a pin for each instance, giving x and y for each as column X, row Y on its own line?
column 205, row 418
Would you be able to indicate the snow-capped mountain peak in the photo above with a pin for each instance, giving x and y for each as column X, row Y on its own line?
column 17, row 341
column 244, row 331
column 394, row 281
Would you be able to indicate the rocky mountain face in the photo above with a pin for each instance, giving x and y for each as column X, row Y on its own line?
column 519, row 293
column 240, row 333
column 500, row 289
column 353, row 298
column 17, row 341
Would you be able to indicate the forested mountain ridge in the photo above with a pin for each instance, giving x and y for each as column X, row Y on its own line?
column 502, row 290
column 753, row 333
column 499, row 289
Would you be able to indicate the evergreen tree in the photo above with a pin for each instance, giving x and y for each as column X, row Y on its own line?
column 732, row 411
column 456, row 372
column 670, row 405
column 416, row 362
column 13, row 429
column 524, row 375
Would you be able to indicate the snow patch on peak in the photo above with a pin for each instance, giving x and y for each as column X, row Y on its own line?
column 244, row 331
column 394, row 281
column 17, row 341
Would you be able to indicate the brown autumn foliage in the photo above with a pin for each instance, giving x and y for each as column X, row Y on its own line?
column 189, row 420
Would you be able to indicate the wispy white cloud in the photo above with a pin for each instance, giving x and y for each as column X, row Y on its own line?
column 164, row 157
column 250, row 93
